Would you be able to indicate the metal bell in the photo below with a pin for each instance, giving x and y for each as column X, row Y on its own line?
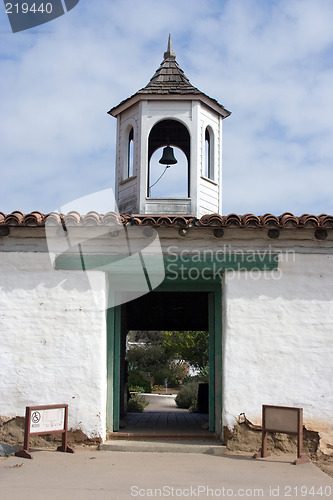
column 168, row 157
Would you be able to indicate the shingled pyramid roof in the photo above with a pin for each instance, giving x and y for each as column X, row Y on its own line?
column 170, row 79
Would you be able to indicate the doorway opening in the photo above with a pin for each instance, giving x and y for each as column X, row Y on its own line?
column 166, row 311
column 166, row 376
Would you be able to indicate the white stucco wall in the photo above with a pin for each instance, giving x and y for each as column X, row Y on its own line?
column 278, row 341
column 52, row 341
column 277, row 328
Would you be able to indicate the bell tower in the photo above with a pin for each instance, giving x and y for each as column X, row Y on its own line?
column 169, row 147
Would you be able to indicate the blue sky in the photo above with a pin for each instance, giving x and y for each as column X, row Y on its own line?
column 269, row 62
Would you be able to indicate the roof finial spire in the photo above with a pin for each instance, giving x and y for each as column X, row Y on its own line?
column 169, row 52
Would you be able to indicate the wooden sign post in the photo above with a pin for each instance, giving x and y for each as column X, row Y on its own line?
column 49, row 419
column 284, row 419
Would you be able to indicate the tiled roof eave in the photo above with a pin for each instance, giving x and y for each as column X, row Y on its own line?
column 285, row 221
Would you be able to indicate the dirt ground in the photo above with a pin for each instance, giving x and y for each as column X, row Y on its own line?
column 163, row 390
column 244, row 439
column 247, row 438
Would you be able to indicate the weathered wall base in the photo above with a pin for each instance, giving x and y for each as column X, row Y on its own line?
column 12, row 433
column 246, row 439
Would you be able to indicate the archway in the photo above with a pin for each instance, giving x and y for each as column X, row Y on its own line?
column 169, row 133
column 168, row 182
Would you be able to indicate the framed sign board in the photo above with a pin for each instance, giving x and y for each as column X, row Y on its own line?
column 281, row 419
column 286, row 420
column 49, row 419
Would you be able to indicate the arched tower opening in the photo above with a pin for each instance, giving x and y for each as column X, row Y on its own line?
column 209, row 154
column 130, row 154
column 176, row 181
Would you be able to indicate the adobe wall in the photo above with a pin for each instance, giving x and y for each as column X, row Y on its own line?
column 52, row 341
column 278, row 341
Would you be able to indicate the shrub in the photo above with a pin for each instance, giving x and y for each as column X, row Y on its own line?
column 158, row 388
column 188, row 396
column 173, row 372
column 137, row 403
column 137, row 379
column 136, row 388
column 203, row 375
column 155, row 361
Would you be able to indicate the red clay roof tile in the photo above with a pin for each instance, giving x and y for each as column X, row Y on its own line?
column 286, row 220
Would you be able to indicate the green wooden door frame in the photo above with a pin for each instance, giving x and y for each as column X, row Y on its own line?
column 113, row 319
column 215, row 353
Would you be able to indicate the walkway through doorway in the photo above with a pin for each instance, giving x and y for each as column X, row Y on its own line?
column 163, row 418
column 169, row 308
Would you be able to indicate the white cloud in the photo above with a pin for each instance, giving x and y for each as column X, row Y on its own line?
column 270, row 63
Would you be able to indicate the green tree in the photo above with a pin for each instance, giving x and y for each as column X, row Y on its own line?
column 160, row 354
column 191, row 347
column 153, row 360
column 147, row 358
